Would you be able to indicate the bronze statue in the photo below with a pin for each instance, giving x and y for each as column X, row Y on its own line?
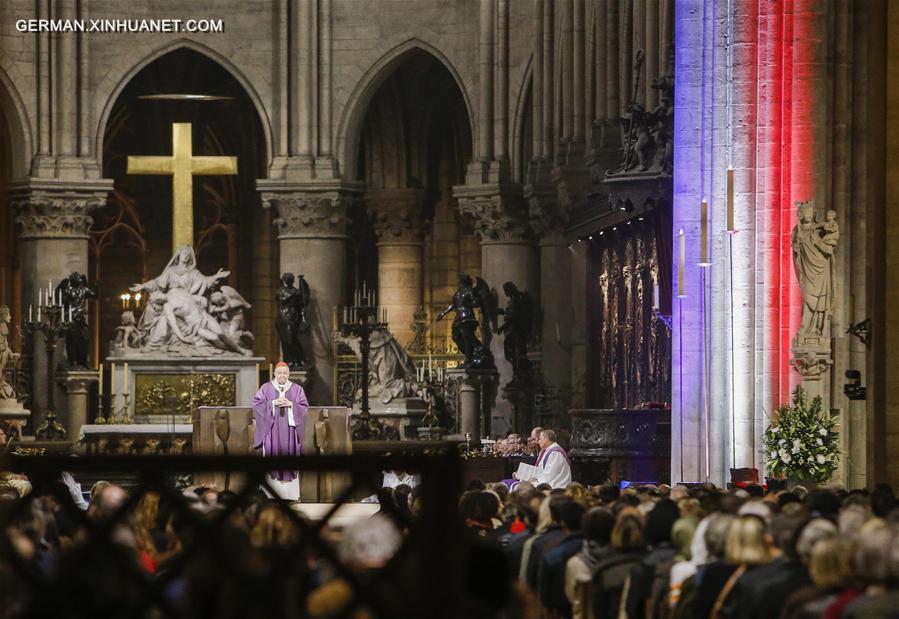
column 291, row 322
column 466, row 299
column 518, row 327
column 75, row 293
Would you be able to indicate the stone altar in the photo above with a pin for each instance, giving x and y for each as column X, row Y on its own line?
column 162, row 388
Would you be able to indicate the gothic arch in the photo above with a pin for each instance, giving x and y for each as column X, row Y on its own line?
column 349, row 128
column 518, row 125
column 203, row 50
column 18, row 126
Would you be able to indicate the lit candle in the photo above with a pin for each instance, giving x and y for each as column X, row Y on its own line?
column 125, row 379
column 681, row 252
column 655, row 296
column 30, row 308
column 100, row 380
column 730, row 201
column 40, row 299
column 704, row 234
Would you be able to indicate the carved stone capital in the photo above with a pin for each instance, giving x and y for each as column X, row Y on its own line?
column 77, row 381
column 572, row 184
column 396, row 215
column 309, row 214
column 497, row 215
column 547, row 217
column 48, row 209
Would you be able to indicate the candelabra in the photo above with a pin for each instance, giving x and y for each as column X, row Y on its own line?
column 361, row 319
column 53, row 323
column 431, row 381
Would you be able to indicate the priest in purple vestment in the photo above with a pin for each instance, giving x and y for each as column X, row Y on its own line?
column 280, row 409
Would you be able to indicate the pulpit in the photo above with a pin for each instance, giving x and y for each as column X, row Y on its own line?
column 230, row 430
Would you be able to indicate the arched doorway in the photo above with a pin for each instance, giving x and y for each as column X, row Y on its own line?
column 131, row 236
column 414, row 143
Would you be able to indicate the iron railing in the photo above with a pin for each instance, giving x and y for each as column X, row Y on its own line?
column 218, row 573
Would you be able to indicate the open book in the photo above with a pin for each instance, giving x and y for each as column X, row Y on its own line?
column 526, row 472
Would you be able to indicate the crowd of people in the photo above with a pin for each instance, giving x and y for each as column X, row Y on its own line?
column 693, row 552
column 103, row 564
column 530, row 550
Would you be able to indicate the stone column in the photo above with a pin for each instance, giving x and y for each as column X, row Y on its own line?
column 311, row 226
column 76, row 385
column 53, row 222
column 507, row 255
column 485, row 80
column 548, row 221
column 396, row 214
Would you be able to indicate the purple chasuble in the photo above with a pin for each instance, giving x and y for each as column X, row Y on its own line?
column 274, row 434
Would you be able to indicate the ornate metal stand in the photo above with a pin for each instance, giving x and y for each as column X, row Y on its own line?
column 431, row 383
column 52, row 323
column 360, row 320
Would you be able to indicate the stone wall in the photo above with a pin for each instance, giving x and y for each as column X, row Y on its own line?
column 543, row 84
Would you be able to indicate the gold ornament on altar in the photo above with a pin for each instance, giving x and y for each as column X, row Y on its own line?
column 181, row 394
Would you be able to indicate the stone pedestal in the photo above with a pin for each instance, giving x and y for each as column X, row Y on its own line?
column 77, row 385
column 303, row 378
column 404, row 415
column 475, row 390
column 311, row 222
column 13, row 412
column 812, row 359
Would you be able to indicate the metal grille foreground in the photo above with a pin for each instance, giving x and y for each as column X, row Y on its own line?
column 217, row 572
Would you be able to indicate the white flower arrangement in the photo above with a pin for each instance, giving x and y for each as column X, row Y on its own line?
column 802, row 441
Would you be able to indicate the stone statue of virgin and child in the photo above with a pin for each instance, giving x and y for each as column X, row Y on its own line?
column 813, row 241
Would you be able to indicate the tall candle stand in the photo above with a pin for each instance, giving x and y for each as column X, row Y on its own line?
column 124, row 414
column 53, row 323
column 431, row 380
column 361, row 319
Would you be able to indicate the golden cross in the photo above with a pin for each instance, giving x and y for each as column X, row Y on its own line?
column 182, row 166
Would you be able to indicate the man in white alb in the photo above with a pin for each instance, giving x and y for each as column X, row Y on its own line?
column 552, row 466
